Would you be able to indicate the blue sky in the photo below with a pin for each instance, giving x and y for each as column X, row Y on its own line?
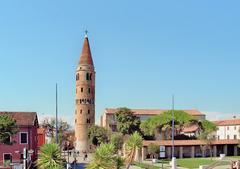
column 144, row 51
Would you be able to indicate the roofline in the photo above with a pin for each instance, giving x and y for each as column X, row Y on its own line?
column 202, row 114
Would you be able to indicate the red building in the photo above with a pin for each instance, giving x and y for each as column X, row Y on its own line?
column 26, row 137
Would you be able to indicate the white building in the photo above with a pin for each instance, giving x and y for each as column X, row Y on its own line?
column 228, row 129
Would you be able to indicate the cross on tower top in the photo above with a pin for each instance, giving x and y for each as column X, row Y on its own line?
column 86, row 33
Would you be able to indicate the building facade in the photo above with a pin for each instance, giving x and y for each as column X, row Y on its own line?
column 26, row 137
column 228, row 129
column 85, row 97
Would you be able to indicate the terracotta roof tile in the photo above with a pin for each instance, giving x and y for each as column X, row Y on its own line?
column 153, row 111
column 22, row 118
column 190, row 129
column 227, row 122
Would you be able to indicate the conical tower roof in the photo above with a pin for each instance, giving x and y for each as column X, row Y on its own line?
column 86, row 56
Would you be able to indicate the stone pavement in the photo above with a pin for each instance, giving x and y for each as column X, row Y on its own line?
column 81, row 163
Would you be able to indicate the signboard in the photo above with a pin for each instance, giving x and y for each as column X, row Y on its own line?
column 162, row 151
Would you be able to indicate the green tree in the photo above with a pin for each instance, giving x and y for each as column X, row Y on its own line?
column 105, row 158
column 49, row 124
column 132, row 144
column 50, row 157
column 7, row 128
column 153, row 149
column 127, row 122
column 207, row 135
column 97, row 135
column 117, row 140
column 163, row 123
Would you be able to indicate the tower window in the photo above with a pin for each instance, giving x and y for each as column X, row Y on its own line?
column 89, row 90
column 81, row 111
column 81, row 89
column 88, row 120
column 88, row 111
column 77, row 77
column 87, row 76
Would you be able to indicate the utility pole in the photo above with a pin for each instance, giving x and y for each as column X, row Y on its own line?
column 56, row 114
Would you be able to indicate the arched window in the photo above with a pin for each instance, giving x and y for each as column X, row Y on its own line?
column 89, row 90
column 88, row 111
column 81, row 89
column 81, row 111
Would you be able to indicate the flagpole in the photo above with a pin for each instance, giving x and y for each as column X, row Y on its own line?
column 173, row 126
column 174, row 163
column 56, row 114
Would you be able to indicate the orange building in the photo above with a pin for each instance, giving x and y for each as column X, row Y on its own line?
column 41, row 137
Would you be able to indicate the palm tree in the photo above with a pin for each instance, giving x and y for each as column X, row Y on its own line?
column 105, row 158
column 132, row 143
column 50, row 157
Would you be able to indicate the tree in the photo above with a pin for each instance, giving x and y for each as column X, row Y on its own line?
column 117, row 140
column 132, row 144
column 49, row 124
column 127, row 122
column 153, row 149
column 163, row 123
column 97, row 135
column 50, row 157
column 7, row 128
column 105, row 158
column 207, row 136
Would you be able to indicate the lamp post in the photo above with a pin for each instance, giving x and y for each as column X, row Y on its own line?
column 74, row 156
column 25, row 158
